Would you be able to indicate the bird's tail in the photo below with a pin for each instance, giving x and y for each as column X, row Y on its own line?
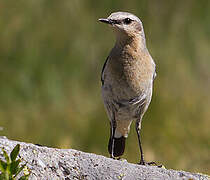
column 116, row 146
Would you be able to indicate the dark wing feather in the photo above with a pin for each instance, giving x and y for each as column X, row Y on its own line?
column 102, row 80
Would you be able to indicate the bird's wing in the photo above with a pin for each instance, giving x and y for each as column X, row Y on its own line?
column 155, row 73
column 102, row 72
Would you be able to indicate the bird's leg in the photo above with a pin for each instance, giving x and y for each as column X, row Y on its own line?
column 113, row 128
column 142, row 162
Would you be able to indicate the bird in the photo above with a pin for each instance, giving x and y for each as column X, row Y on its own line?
column 127, row 81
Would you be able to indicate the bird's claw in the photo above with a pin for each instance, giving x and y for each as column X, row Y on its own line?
column 150, row 164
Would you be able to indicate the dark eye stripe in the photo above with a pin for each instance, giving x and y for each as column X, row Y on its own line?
column 116, row 21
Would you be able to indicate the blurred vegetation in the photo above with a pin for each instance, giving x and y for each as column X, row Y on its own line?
column 10, row 168
column 51, row 56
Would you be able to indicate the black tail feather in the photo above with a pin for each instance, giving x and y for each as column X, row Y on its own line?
column 118, row 146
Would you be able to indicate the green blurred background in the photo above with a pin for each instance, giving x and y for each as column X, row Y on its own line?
column 51, row 56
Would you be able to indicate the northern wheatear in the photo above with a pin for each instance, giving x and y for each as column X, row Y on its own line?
column 127, row 80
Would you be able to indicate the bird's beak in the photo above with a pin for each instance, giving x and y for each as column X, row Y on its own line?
column 107, row 21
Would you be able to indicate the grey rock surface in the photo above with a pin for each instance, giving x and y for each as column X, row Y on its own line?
column 51, row 163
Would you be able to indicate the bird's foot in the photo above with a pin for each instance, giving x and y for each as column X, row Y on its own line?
column 122, row 159
column 118, row 158
column 142, row 162
column 115, row 158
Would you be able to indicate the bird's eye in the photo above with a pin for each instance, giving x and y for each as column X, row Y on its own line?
column 127, row 20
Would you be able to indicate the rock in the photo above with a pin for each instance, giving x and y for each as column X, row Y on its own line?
column 68, row 164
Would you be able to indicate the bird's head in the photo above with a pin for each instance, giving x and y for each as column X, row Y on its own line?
column 125, row 24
